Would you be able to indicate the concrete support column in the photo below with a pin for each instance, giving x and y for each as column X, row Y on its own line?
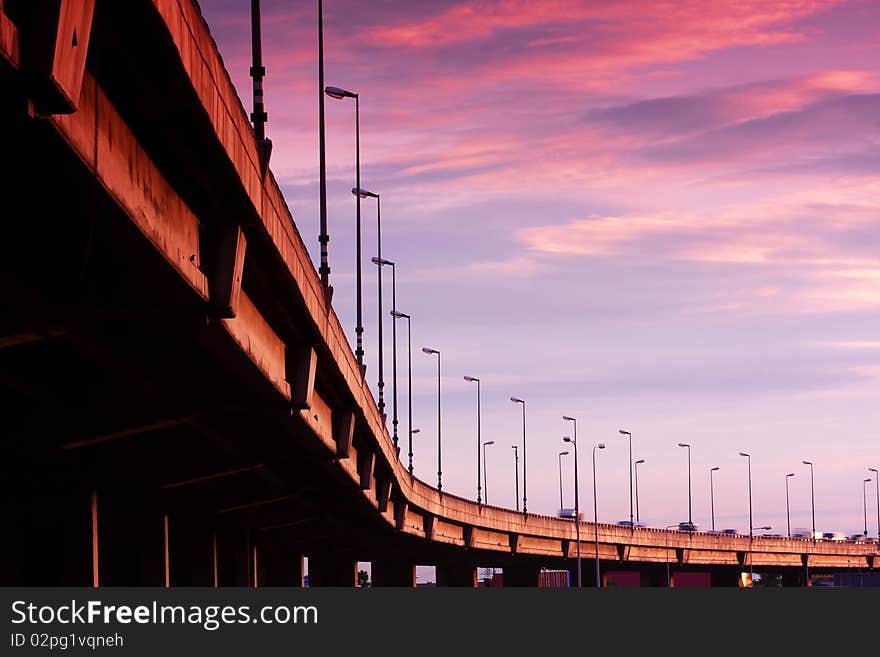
column 457, row 573
column 332, row 570
column 131, row 540
column 793, row 577
column 279, row 565
column 523, row 574
column 234, row 554
column 725, row 576
column 393, row 573
column 191, row 552
column 49, row 542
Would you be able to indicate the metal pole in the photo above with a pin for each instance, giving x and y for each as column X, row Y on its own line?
column 258, row 116
column 631, row 526
column 577, row 509
column 524, row 457
column 381, row 318
column 323, row 237
column 877, row 488
column 787, row 511
column 439, row 442
column 485, row 483
column 359, row 329
column 394, row 350
column 516, row 472
column 561, row 503
column 865, row 503
column 596, row 521
column 712, row 495
column 637, row 491
column 479, row 441
column 409, row 385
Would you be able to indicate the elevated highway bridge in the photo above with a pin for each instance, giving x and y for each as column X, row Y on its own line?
column 180, row 405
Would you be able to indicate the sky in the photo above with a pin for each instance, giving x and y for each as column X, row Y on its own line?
column 658, row 217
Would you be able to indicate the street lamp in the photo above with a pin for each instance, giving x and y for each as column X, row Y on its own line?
column 516, row 400
column 561, row 503
column 751, row 551
column 877, row 489
column 339, row 94
column 787, row 513
column 577, row 507
column 712, row 494
column 398, row 315
column 429, row 352
column 629, row 435
column 690, row 516
column 363, row 193
column 749, row 458
column 865, row 503
column 516, row 472
column 636, row 465
column 812, row 498
column 596, row 513
column 380, row 262
column 485, row 468
column 666, row 551
column 323, row 237
column 473, row 379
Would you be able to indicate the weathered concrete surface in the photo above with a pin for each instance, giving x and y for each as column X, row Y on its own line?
column 342, row 425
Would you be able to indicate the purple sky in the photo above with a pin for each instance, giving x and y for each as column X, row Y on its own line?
column 657, row 218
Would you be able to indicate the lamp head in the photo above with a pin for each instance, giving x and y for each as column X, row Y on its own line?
column 640, row 461
column 601, row 445
column 381, row 261
column 790, row 474
column 563, row 453
column 471, row 379
column 868, row 481
column 363, row 193
column 806, row 462
column 623, row 432
column 339, row 93
column 517, row 400
column 683, row 445
column 714, row 469
column 743, row 454
column 489, row 442
column 399, row 315
column 567, row 439
column 570, row 419
column 430, row 351
column 415, row 431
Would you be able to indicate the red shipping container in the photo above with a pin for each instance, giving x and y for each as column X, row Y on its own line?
column 686, row 579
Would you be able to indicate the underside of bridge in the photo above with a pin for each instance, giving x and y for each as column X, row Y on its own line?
column 164, row 421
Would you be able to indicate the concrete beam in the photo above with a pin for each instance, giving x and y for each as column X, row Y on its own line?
column 54, row 45
column 225, row 285
column 383, row 492
column 128, row 432
column 344, row 434
column 366, row 461
column 301, row 363
column 400, row 508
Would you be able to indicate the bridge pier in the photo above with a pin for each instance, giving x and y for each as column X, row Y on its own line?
column 793, row 577
column 456, row 573
column 387, row 572
column 332, row 570
column 51, row 543
column 191, row 552
column 234, row 554
column 279, row 565
column 521, row 575
column 131, row 540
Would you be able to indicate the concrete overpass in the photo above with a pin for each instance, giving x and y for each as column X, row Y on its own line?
column 180, row 404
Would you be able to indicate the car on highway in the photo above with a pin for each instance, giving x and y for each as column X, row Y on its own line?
column 688, row 526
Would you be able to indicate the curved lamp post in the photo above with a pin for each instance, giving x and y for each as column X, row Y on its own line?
column 430, row 352
column 623, row 432
column 712, row 494
column 485, row 476
column 398, row 315
column 516, row 472
column 577, row 508
column 812, row 499
column 877, row 489
column 473, row 379
column 339, row 94
column 596, row 514
column 516, row 400
column 690, row 516
column 636, row 468
column 787, row 511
